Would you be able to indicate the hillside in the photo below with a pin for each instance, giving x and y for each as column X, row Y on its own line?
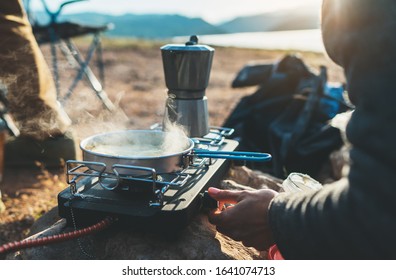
column 147, row 26
column 296, row 19
column 154, row 26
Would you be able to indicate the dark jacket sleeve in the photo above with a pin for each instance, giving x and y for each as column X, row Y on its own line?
column 355, row 220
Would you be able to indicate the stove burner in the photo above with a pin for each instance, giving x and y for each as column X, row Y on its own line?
column 156, row 184
column 151, row 199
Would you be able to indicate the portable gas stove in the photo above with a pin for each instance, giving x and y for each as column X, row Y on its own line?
column 153, row 201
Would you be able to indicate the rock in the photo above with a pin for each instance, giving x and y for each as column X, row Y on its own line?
column 340, row 162
column 339, row 159
column 254, row 178
column 45, row 221
column 232, row 185
column 336, row 167
column 199, row 241
column 67, row 250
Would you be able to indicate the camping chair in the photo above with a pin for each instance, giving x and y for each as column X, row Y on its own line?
column 60, row 34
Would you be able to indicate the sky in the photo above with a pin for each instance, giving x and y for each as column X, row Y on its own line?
column 213, row 11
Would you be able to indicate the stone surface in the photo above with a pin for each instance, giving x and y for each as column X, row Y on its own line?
column 254, row 178
column 199, row 241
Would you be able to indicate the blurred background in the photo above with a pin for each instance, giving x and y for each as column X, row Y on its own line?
column 282, row 24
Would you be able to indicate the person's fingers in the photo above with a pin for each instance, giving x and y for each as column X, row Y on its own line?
column 214, row 217
column 221, row 217
column 225, row 196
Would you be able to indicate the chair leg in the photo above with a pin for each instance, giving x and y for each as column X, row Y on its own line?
column 86, row 71
column 100, row 63
column 54, row 55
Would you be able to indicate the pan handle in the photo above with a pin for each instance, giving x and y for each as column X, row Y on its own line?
column 248, row 156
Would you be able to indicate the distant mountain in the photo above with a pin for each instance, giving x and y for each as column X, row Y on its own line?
column 152, row 26
column 296, row 19
column 161, row 26
column 143, row 26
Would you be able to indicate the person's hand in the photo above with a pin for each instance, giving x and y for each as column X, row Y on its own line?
column 247, row 219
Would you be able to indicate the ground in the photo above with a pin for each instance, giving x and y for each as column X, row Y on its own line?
column 134, row 81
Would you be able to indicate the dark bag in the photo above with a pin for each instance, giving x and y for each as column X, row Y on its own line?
column 288, row 117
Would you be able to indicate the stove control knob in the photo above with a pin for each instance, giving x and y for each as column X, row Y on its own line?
column 208, row 202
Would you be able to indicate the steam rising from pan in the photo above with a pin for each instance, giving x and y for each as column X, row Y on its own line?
column 137, row 143
column 140, row 143
column 176, row 134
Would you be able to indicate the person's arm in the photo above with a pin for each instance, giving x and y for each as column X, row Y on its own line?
column 355, row 220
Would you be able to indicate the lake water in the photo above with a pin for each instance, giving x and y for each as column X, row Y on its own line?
column 304, row 40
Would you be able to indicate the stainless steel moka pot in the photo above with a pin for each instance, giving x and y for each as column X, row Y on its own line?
column 187, row 70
